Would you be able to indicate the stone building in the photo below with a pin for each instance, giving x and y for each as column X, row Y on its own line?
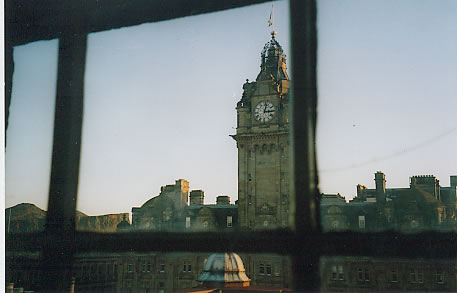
column 424, row 205
column 262, row 142
column 163, row 211
column 367, row 274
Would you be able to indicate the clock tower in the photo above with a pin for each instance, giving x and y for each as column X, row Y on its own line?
column 262, row 142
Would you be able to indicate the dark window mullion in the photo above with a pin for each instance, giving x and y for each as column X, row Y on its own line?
column 60, row 220
column 306, row 255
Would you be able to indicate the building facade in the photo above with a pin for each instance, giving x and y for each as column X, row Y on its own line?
column 424, row 205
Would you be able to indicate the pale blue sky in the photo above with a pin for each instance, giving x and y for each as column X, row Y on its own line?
column 160, row 101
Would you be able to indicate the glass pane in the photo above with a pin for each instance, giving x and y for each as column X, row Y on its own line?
column 368, row 274
column 29, row 136
column 162, row 102
column 387, row 129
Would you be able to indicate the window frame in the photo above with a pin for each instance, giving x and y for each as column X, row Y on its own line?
column 29, row 20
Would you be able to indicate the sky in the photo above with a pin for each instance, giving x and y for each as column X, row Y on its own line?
column 160, row 102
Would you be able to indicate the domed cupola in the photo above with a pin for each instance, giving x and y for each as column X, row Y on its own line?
column 123, row 225
column 273, row 59
column 224, row 270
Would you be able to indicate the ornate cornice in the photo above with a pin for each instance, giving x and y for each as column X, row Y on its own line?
column 258, row 136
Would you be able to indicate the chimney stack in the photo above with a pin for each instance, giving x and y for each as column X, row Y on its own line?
column 223, row 199
column 197, row 197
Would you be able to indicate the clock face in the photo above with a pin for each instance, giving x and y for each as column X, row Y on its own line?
column 264, row 111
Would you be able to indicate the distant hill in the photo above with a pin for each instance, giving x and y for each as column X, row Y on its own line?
column 27, row 217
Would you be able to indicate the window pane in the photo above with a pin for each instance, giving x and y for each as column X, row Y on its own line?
column 387, row 130
column 162, row 102
column 29, row 136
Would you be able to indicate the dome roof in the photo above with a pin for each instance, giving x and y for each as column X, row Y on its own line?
column 273, row 60
column 272, row 48
column 123, row 225
column 224, row 269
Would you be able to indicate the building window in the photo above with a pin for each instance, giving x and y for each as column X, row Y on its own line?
column 229, row 221
column 277, row 269
column 146, row 267
column 363, row 275
column 268, row 270
column 362, row 222
column 340, row 272
column 129, row 268
column 262, row 269
column 412, row 276
column 187, row 222
column 360, row 274
column 394, row 275
column 420, row 276
column 162, row 268
column 334, row 272
column 439, row 277
column 187, row 267
column 416, row 275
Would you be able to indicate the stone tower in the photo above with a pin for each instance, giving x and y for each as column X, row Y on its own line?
column 262, row 142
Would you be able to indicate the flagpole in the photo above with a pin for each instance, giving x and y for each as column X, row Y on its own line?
column 271, row 21
column 273, row 18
